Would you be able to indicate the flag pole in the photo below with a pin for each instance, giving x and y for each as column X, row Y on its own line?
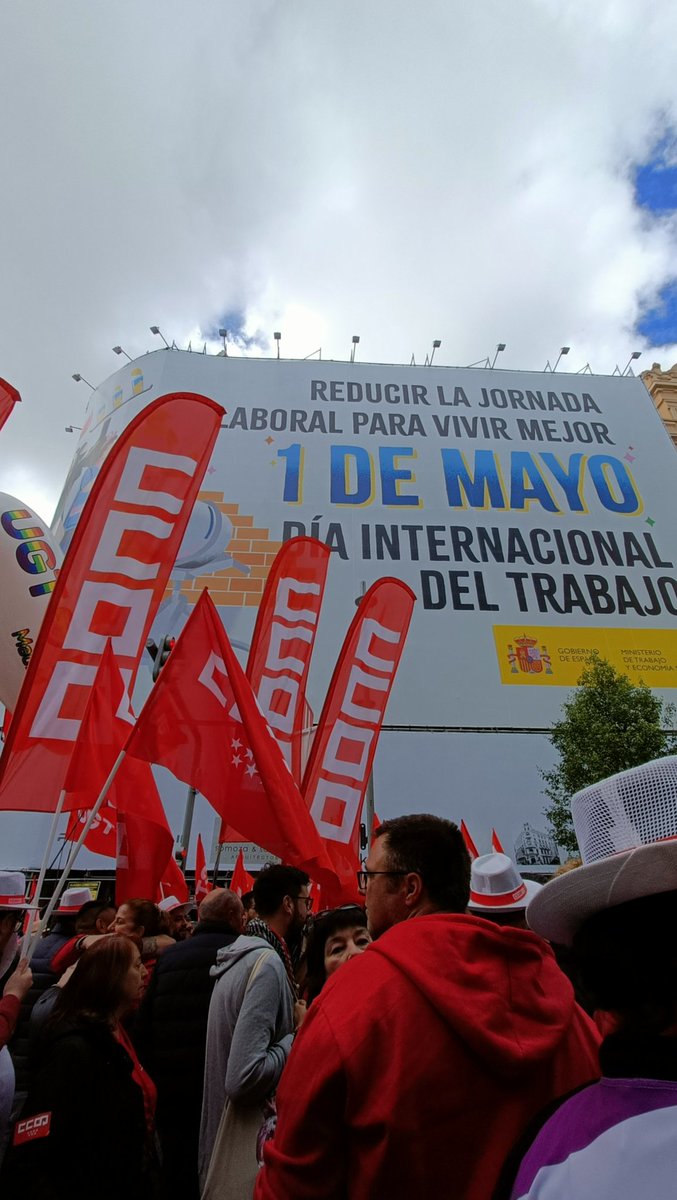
column 32, row 936
column 217, row 860
column 54, row 899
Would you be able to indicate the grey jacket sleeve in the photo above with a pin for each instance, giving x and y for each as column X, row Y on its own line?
column 256, row 1058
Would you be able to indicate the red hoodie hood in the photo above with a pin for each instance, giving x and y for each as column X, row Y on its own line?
column 498, row 988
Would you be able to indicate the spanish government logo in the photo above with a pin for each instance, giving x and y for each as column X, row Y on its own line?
column 529, row 657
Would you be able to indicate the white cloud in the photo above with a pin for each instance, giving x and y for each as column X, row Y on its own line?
column 399, row 171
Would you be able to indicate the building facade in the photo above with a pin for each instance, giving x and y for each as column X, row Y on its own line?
column 662, row 387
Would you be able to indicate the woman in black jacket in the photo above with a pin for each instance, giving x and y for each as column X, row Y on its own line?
column 94, row 1101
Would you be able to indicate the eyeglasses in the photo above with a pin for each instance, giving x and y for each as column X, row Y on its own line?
column 307, row 900
column 363, row 877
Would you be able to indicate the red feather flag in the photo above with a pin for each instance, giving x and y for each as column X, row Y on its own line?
column 202, row 722
column 283, row 640
column 496, row 843
column 110, row 587
column 336, row 778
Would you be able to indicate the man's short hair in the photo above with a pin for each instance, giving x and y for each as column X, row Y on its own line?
column 435, row 850
column 275, row 882
column 88, row 915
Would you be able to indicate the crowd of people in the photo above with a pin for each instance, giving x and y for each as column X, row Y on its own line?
column 425, row 1042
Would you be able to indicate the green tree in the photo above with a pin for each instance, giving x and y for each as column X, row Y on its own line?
column 608, row 725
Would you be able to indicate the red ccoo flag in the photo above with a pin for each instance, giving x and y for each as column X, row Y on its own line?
column 283, row 640
column 336, row 778
column 241, row 880
column 8, row 398
column 203, row 723
column 110, row 586
column 469, row 844
column 202, row 886
column 496, row 843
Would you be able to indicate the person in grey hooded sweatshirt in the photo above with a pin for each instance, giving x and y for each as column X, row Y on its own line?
column 250, row 1029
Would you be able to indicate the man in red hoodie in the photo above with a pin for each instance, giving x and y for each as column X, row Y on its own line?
column 424, row 1059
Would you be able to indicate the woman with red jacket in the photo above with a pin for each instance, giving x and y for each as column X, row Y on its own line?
column 95, row 1101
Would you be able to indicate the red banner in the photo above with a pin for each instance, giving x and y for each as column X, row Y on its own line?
column 283, row 640
column 496, row 843
column 102, row 835
column 343, row 751
column 8, row 398
column 202, row 722
column 202, row 885
column 110, row 586
column 469, row 843
column 241, row 881
column 144, row 846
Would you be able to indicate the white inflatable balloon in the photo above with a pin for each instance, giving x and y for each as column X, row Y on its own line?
column 29, row 563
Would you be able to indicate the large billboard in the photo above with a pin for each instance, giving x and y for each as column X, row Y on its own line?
column 532, row 514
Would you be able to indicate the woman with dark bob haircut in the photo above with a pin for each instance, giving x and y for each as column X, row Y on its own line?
column 618, row 912
column 99, row 1135
column 336, row 936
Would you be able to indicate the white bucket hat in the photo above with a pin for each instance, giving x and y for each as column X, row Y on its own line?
column 497, row 886
column 72, row 901
column 12, row 890
column 173, row 904
column 627, row 832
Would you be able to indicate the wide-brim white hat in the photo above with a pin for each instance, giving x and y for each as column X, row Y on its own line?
column 172, row 904
column 627, row 832
column 12, row 891
column 72, row 901
column 496, row 885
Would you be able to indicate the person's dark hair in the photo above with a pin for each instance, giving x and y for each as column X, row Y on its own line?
column 248, row 900
column 626, row 959
column 89, row 913
column 324, row 926
column 275, row 882
column 435, row 850
column 11, row 914
column 96, row 987
column 146, row 914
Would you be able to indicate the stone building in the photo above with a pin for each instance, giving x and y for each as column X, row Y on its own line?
column 662, row 387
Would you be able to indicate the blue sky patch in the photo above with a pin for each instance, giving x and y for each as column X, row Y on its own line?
column 656, row 179
column 658, row 324
column 234, row 321
column 656, row 194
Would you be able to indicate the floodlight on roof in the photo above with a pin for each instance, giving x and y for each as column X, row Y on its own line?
column 223, row 333
column 627, row 369
column 436, row 345
column 119, row 350
column 563, row 350
column 158, row 332
column 81, row 379
column 499, row 350
column 277, row 335
column 356, row 341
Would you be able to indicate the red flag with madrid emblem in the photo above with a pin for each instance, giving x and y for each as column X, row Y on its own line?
column 110, row 586
column 283, row 640
column 341, row 758
column 203, row 723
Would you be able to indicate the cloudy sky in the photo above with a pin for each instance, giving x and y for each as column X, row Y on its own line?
column 501, row 170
